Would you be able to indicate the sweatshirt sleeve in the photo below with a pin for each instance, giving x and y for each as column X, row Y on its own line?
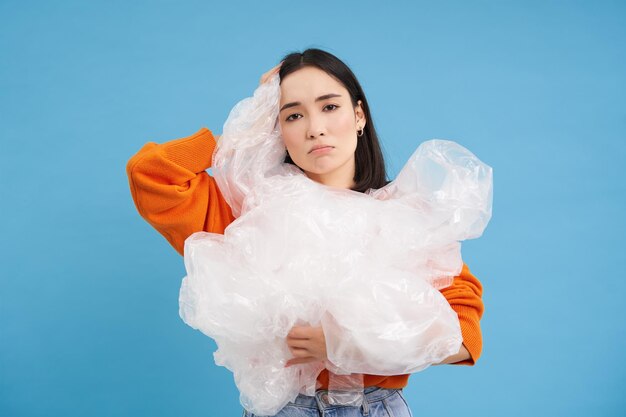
column 172, row 190
column 464, row 296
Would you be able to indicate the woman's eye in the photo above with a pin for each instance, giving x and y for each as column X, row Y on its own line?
column 295, row 116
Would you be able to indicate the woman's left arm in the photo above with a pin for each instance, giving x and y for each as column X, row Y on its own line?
column 464, row 296
column 307, row 344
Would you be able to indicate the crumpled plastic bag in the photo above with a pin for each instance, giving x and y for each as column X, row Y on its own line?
column 365, row 266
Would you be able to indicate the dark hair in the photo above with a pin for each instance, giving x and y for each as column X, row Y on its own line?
column 368, row 157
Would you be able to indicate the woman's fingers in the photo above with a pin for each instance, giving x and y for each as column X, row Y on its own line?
column 299, row 352
column 301, row 360
column 266, row 77
column 306, row 344
column 298, row 343
column 301, row 332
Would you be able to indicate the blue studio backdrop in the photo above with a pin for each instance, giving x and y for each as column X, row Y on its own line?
column 89, row 321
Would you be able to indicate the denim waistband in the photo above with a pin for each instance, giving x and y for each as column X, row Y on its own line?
column 372, row 394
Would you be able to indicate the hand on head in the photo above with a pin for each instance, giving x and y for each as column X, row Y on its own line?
column 268, row 75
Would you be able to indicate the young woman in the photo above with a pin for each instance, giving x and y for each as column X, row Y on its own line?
column 329, row 134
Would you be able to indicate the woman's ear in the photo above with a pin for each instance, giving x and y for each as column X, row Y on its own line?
column 359, row 114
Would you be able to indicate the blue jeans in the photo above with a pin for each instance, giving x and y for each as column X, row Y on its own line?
column 379, row 402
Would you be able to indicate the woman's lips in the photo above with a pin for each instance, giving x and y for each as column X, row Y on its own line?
column 322, row 150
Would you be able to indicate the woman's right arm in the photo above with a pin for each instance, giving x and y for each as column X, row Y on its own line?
column 465, row 298
column 172, row 190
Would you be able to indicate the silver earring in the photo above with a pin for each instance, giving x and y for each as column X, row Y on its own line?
column 360, row 132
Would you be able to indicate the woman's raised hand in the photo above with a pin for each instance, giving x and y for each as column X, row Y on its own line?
column 264, row 78
column 268, row 75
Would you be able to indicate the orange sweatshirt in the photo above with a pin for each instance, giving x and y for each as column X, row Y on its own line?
column 174, row 193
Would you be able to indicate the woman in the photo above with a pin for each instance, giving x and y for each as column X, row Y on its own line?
column 329, row 134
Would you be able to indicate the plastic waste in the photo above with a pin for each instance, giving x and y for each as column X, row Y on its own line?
column 367, row 267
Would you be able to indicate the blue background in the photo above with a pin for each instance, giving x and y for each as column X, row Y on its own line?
column 89, row 321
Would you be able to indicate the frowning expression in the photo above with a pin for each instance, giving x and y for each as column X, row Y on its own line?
column 319, row 125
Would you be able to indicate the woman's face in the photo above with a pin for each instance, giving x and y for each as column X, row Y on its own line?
column 316, row 110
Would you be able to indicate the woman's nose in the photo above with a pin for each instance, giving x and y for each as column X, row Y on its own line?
column 315, row 128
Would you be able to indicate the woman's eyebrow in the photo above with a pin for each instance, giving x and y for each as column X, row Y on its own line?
column 320, row 98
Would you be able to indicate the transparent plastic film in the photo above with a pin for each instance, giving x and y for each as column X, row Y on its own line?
column 345, row 389
column 367, row 267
